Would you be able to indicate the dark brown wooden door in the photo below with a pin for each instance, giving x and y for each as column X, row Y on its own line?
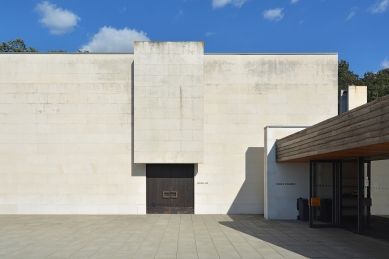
column 170, row 188
column 158, row 181
column 182, row 190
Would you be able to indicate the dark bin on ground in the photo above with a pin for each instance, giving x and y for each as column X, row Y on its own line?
column 302, row 207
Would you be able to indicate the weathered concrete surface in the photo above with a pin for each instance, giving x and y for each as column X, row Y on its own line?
column 357, row 96
column 242, row 95
column 169, row 106
column 66, row 127
column 353, row 97
column 66, row 135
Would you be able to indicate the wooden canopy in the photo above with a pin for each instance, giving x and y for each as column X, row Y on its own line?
column 361, row 132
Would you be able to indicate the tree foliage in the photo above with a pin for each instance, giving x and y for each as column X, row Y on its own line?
column 346, row 77
column 377, row 83
column 16, row 45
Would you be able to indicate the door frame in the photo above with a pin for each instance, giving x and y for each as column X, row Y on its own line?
column 336, row 193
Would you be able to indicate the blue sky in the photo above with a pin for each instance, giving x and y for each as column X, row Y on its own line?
column 356, row 29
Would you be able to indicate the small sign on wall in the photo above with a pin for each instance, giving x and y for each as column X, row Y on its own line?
column 315, row 202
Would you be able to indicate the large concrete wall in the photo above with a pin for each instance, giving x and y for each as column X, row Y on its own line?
column 242, row 95
column 168, row 103
column 66, row 135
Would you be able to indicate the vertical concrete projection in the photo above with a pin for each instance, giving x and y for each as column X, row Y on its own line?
column 168, row 103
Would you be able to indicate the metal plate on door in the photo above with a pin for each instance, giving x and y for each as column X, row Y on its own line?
column 174, row 194
column 166, row 194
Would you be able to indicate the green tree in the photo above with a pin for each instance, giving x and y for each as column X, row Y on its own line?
column 16, row 45
column 377, row 84
column 346, row 77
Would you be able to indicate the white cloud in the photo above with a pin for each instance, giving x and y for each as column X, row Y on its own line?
column 58, row 20
column 273, row 14
column 294, row 1
column 222, row 3
column 385, row 63
column 379, row 7
column 110, row 39
column 209, row 33
column 352, row 13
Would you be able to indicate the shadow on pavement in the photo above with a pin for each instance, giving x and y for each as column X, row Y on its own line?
column 294, row 239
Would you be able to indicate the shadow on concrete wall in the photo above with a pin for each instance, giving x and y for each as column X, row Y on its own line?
column 249, row 199
column 136, row 169
column 286, row 182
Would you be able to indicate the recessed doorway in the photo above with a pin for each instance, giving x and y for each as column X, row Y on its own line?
column 170, row 189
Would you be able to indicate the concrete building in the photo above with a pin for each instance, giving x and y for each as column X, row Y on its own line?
column 85, row 133
column 348, row 167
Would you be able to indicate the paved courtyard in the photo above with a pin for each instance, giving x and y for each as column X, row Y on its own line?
column 176, row 236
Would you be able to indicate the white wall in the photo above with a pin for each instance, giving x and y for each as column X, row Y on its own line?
column 66, row 135
column 357, row 96
column 242, row 95
column 168, row 103
column 380, row 187
column 284, row 182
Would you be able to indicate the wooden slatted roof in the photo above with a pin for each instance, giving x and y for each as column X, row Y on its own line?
column 363, row 131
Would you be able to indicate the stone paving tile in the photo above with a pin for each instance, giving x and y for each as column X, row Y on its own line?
column 176, row 236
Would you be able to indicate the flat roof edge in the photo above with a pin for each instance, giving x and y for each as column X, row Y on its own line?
column 131, row 53
column 290, row 127
column 261, row 53
column 67, row 53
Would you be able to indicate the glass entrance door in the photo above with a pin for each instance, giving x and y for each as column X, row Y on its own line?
column 325, row 182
